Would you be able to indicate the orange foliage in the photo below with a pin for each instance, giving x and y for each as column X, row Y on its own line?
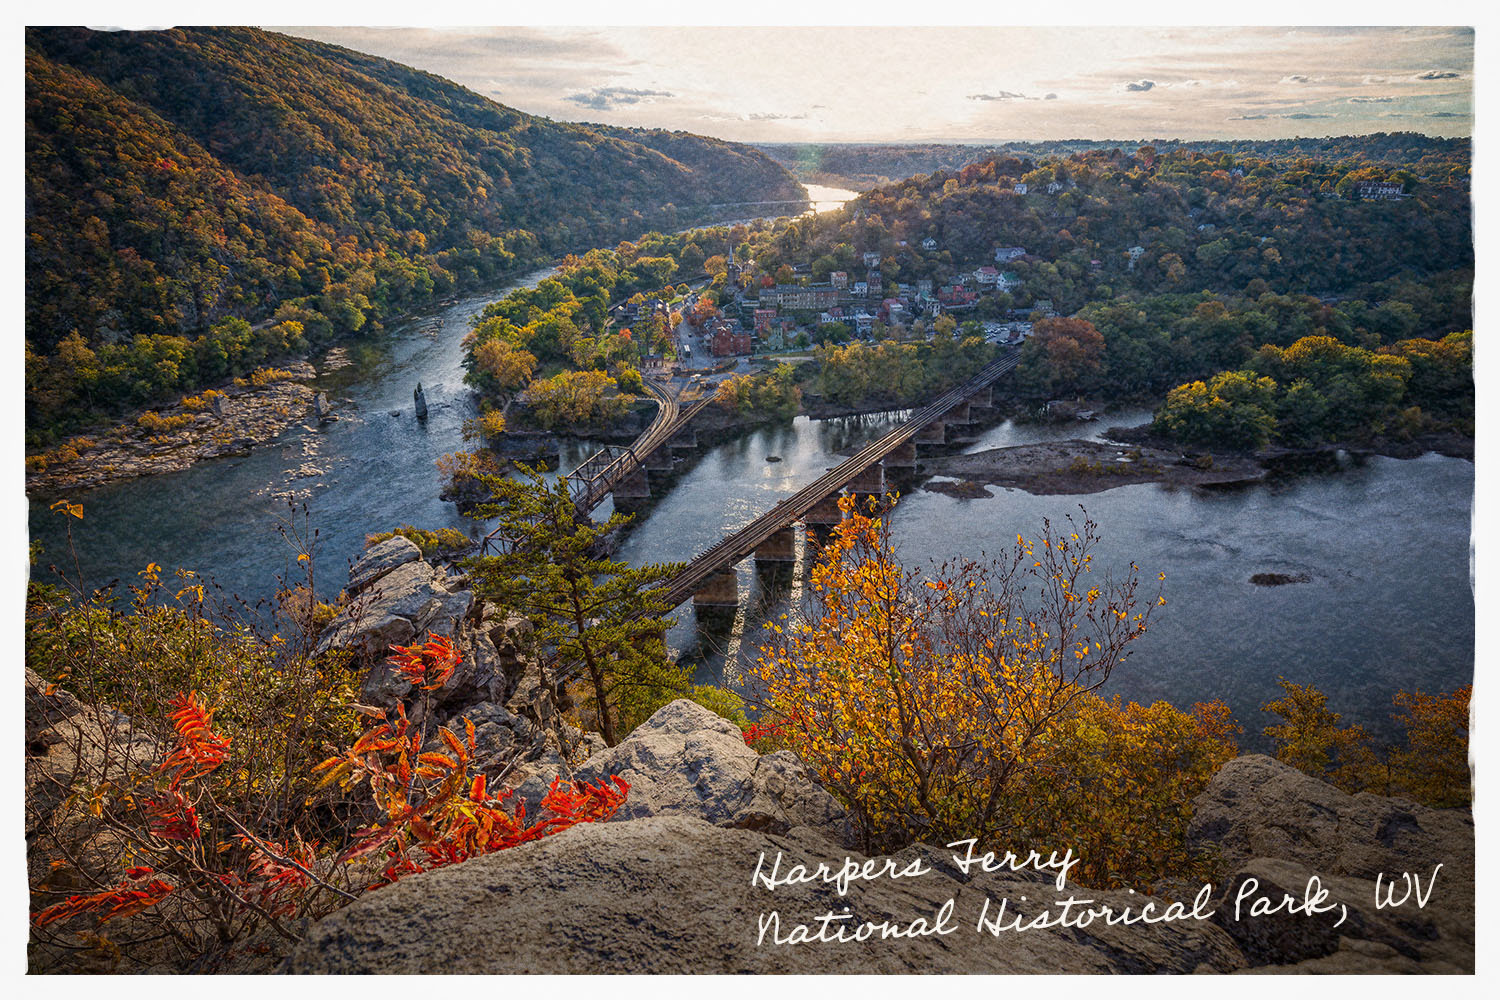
column 436, row 814
column 427, row 665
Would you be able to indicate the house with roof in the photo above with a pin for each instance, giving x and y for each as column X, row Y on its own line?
column 1020, row 188
column 1007, row 281
column 1380, row 190
column 839, row 279
column 957, row 297
column 1004, row 255
column 872, row 259
column 929, row 244
column 986, row 276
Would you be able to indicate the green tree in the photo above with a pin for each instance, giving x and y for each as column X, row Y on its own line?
column 596, row 614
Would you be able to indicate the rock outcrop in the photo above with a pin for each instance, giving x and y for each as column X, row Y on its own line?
column 229, row 423
column 687, row 761
column 1272, row 823
column 666, row 887
column 672, row 894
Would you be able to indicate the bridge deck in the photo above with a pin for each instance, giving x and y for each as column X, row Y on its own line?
column 742, row 543
column 670, row 419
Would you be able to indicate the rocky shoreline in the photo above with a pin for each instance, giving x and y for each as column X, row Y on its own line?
column 231, row 420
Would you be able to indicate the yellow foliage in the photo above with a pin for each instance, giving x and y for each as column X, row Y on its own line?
column 959, row 704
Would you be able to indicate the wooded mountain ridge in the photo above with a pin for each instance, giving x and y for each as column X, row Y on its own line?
column 178, row 178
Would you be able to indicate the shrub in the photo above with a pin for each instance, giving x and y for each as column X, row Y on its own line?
column 263, row 377
column 437, row 542
column 196, row 814
column 934, row 706
column 960, row 703
column 1432, row 768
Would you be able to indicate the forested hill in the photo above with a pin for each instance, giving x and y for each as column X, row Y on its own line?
column 175, row 178
column 865, row 165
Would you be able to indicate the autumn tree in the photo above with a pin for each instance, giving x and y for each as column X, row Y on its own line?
column 1311, row 739
column 1063, row 354
column 928, row 702
column 1433, row 767
column 500, row 369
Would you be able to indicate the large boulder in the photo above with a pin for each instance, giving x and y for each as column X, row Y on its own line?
column 386, row 613
column 1266, row 821
column 1436, row 938
column 1257, row 807
column 687, row 761
column 673, row 894
column 380, row 559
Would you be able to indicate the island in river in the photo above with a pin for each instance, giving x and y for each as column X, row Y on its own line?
column 1053, row 468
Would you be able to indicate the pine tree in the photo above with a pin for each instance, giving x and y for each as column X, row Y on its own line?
column 596, row 614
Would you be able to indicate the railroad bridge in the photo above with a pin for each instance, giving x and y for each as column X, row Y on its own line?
column 710, row 581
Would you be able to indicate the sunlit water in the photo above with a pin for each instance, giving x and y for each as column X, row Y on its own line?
column 826, row 199
column 1384, row 542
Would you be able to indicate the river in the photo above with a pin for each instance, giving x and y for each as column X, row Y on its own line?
column 1384, row 542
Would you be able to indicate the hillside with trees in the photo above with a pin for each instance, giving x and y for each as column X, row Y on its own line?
column 176, row 180
column 865, row 165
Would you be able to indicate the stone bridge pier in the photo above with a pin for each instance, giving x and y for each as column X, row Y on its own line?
column 722, row 590
column 869, row 483
column 933, row 433
column 903, row 456
column 660, row 460
column 633, row 492
column 779, row 548
column 825, row 513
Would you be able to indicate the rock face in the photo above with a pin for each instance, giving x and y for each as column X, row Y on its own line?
column 1257, row 807
column 380, row 559
column 230, row 424
column 687, row 761
column 666, row 887
column 672, row 894
column 1272, row 823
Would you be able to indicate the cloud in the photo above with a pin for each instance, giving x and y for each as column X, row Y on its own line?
column 1000, row 95
column 1438, row 74
column 1371, row 80
column 608, row 98
column 1140, row 86
column 772, row 116
column 1445, row 114
column 1296, row 78
column 1372, row 100
column 1050, row 97
column 1294, row 116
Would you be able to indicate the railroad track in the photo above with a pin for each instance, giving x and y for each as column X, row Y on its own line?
column 732, row 548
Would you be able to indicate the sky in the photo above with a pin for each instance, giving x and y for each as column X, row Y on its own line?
column 957, row 84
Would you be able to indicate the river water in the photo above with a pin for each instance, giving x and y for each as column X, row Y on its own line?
column 1384, row 542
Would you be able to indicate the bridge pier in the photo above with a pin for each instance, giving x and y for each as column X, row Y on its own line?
column 779, row 548
column 903, row 456
column 870, row 482
column 632, row 493
column 982, row 397
column 660, row 460
column 722, row 590
column 824, row 512
column 685, row 440
column 958, row 415
column 815, row 537
column 933, row 433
